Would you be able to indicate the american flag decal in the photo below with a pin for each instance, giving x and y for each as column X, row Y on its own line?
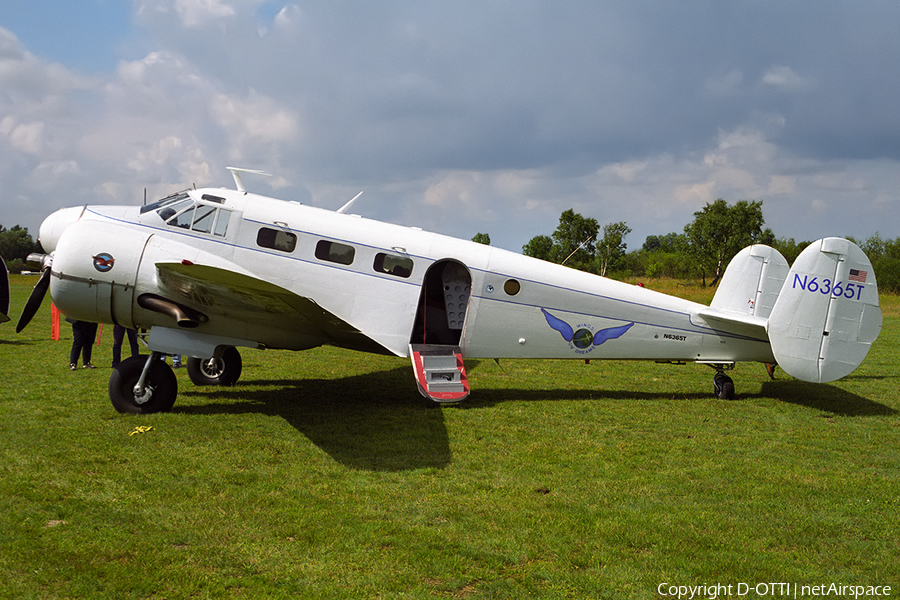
column 856, row 275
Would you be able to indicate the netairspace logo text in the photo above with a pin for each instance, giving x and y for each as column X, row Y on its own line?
column 713, row 591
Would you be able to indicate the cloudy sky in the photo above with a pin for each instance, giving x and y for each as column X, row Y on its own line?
column 465, row 116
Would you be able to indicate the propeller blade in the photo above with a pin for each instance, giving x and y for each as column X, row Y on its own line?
column 4, row 292
column 34, row 301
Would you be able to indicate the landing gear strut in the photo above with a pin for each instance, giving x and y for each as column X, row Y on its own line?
column 143, row 385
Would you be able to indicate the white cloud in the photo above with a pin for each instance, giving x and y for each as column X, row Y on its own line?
column 258, row 128
column 191, row 13
column 10, row 50
column 782, row 184
column 453, row 189
column 194, row 13
column 783, row 77
column 27, row 137
column 469, row 126
column 288, row 16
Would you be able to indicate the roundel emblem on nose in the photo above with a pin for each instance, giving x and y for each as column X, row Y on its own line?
column 104, row 262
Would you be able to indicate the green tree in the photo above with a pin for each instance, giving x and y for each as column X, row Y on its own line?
column 789, row 249
column 720, row 231
column 482, row 238
column 612, row 245
column 885, row 257
column 15, row 245
column 540, row 246
column 575, row 240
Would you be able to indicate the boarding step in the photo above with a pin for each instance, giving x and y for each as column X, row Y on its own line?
column 440, row 372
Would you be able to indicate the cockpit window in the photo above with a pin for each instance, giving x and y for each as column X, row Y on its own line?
column 169, row 200
column 203, row 218
column 222, row 222
column 167, row 210
column 183, row 219
column 183, row 212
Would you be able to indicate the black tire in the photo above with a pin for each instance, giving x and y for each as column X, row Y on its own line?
column 161, row 386
column 212, row 371
column 723, row 387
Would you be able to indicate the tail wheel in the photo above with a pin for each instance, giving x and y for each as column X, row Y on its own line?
column 216, row 371
column 159, row 391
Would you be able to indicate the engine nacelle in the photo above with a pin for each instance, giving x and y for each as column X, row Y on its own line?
column 95, row 268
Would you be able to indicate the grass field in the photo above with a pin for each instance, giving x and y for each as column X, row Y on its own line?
column 324, row 474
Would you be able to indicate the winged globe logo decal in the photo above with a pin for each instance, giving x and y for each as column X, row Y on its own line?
column 584, row 339
column 104, row 262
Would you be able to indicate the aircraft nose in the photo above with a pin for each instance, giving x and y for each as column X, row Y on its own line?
column 54, row 225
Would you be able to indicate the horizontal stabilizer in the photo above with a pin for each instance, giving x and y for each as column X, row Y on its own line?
column 736, row 323
column 827, row 315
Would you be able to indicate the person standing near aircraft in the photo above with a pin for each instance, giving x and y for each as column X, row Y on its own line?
column 118, row 337
column 83, row 334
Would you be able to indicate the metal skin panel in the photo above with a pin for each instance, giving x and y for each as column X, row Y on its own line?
column 94, row 271
column 664, row 327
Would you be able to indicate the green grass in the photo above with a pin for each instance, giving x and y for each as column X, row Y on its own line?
column 324, row 474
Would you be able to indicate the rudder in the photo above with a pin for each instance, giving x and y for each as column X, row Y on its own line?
column 827, row 314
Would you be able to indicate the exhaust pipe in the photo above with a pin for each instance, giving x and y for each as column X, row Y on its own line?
column 184, row 316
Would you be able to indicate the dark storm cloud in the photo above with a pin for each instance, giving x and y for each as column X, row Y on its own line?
column 472, row 116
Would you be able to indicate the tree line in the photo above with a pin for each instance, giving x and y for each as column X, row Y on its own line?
column 15, row 245
column 701, row 251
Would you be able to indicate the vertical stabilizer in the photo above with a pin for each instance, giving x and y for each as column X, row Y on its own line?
column 827, row 315
column 752, row 282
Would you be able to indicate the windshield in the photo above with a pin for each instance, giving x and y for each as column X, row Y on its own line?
column 164, row 202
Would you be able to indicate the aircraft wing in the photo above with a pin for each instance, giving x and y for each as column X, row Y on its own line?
column 251, row 302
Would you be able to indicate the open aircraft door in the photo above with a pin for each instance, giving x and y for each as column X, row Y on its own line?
column 435, row 343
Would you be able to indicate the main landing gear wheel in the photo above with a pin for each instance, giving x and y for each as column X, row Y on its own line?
column 216, row 371
column 723, row 386
column 159, row 390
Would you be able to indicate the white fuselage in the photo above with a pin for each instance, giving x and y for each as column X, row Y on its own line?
column 395, row 285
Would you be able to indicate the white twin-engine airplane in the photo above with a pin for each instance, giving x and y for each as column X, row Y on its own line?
column 205, row 271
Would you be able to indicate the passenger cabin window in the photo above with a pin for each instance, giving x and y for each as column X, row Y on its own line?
column 398, row 266
column 276, row 240
column 335, row 252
